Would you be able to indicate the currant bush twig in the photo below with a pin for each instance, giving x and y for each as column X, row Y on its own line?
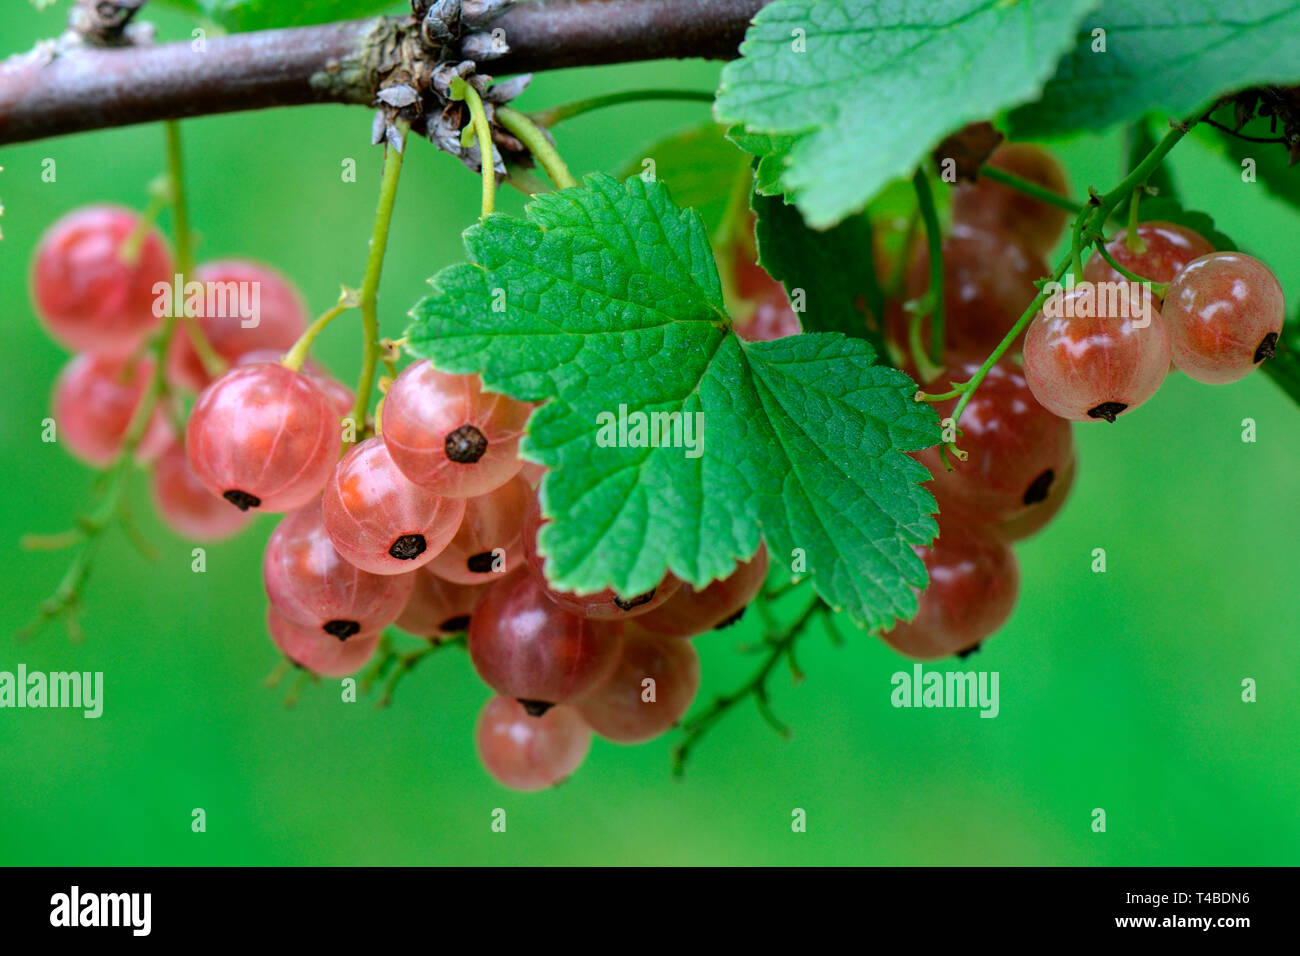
column 213, row 364
column 934, row 245
column 531, row 135
column 779, row 643
column 460, row 90
column 370, row 283
column 1250, row 139
column 558, row 114
column 1031, row 188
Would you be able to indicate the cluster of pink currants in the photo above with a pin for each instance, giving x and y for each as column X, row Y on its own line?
column 431, row 525
column 1095, row 351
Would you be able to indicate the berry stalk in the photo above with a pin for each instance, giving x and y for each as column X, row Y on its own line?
column 460, row 90
column 558, row 114
column 934, row 246
column 531, row 135
column 370, row 283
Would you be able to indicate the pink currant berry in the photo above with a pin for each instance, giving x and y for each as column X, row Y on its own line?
column 437, row 607
column 186, row 505
column 524, row 752
column 1166, row 249
column 719, row 604
column 1225, row 313
column 95, row 398
column 450, row 436
column 319, row 653
column 988, row 204
column 92, row 292
column 1088, row 359
column 263, row 436
column 618, row 710
column 379, row 519
column 487, row 545
column 311, row 584
column 278, row 318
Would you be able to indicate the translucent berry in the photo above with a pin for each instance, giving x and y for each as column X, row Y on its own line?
column 319, row 653
column 263, row 437
column 186, row 505
column 1224, row 313
column 449, row 435
column 1015, row 447
column 720, row 604
column 988, row 204
column 772, row 318
column 487, row 544
column 988, row 282
column 627, row 710
column 95, row 398
column 1033, row 520
column 339, row 395
column 526, row 646
column 379, row 519
column 438, row 608
column 605, row 605
column 1166, row 249
column 91, row 292
column 314, row 587
column 1087, row 366
column 974, row 580
column 524, row 752
column 247, row 307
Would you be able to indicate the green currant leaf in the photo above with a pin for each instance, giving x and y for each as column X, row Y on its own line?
column 606, row 299
column 771, row 152
column 242, row 15
column 867, row 89
column 1171, row 210
column 835, row 270
column 698, row 166
column 1173, row 58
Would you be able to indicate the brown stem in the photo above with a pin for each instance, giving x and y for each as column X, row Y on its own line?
column 46, row 93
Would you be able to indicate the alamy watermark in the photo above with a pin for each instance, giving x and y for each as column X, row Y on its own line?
column 639, row 429
column 209, row 300
column 77, row 909
column 1106, row 299
column 923, row 688
column 77, row 690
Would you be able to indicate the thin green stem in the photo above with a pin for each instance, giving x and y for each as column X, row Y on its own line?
column 934, row 245
column 213, row 364
column 369, row 297
column 558, row 114
column 1131, row 237
column 296, row 355
column 460, row 90
column 1031, row 189
column 531, row 135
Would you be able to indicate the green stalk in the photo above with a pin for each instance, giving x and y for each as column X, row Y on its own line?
column 934, row 245
column 370, row 283
column 558, row 114
column 531, row 135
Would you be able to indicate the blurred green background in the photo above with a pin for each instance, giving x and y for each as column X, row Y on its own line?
column 1119, row 690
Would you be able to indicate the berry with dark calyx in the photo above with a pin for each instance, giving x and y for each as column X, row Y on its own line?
column 311, row 584
column 523, row 752
column 247, row 307
column 1032, row 520
column 605, row 605
column 1014, row 447
column 524, row 645
column 988, row 204
column 1086, row 366
column 1166, row 249
column 1224, row 313
column 263, row 436
column 95, row 398
column 988, row 280
column 92, row 292
column 718, row 604
column 487, row 544
column 438, row 608
column 449, row 435
column 619, row 709
column 380, row 520
column 186, row 505
column 319, row 653
column 974, row 580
